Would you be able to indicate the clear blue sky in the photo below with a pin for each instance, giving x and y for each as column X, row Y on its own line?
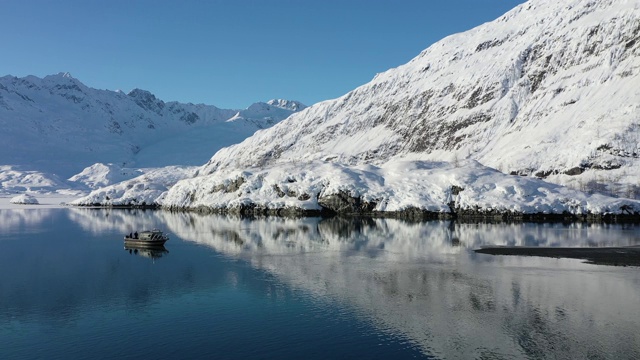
column 228, row 53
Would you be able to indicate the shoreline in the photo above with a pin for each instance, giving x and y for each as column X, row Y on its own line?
column 45, row 201
column 614, row 256
column 411, row 214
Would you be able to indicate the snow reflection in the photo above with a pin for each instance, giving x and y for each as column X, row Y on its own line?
column 16, row 218
column 423, row 282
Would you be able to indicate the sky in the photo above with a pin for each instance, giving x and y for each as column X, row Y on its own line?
column 228, row 53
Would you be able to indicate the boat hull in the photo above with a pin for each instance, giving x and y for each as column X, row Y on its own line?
column 144, row 243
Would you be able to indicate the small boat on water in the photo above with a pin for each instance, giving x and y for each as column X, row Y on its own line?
column 148, row 238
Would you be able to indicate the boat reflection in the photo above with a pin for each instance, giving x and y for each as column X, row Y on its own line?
column 154, row 252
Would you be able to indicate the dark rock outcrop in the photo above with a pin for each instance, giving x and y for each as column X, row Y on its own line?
column 344, row 203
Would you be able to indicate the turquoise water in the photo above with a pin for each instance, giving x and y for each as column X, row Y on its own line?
column 307, row 288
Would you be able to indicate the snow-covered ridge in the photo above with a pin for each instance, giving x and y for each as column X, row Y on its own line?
column 264, row 115
column 287, row 104
column 550, row 89
column 100, row 175
column 24, row 199
column 15, row 179
column 142, row 190
column 46, row 122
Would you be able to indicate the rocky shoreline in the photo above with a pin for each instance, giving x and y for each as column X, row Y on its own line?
column 415, row 214
column 343, row 204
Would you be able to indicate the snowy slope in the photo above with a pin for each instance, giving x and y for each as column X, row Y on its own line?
column 551, row 89
column 17, row 179
column 142, row 190
column 100, row 175
column 58, row 125
column 400, row 186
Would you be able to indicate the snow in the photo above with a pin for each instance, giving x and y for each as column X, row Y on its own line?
column 101, row 175
column 139, row 191
column 110, row 136
column 15, row 179
column 395, row 186
column 48, row 121
column 24, row 199
column 549, row 90
column 45, row 201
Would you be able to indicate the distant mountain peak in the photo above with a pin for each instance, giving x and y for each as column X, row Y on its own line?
column 58, row 124
column 139, row 93
column 266, row 114
column 59, row 76
column 287, row 104
column 147, row 100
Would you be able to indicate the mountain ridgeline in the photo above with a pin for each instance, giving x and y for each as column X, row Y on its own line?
column 551, row 90
column 57, row 124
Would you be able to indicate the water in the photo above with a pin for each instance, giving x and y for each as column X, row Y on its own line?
column 307, row 288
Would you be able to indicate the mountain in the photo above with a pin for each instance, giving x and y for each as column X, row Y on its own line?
column 14, row 179
column 264, row 115
column 551, row 89
column 57, row 125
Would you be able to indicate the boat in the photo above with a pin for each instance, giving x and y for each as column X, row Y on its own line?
column 148, row 238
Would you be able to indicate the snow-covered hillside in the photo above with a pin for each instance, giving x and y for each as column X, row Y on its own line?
column 415, row 189
column 16, row 179
column 551, row 89
column 143, row 190
column 57, row 125
column 408, row 188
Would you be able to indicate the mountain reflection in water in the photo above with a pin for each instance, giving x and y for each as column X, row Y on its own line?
column 422, row 281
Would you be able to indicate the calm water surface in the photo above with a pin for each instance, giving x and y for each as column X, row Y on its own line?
column 309, row 288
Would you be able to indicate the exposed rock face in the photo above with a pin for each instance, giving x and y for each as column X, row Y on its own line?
column 147, row 100
column 343, row 203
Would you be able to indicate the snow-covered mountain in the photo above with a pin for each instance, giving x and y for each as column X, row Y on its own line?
column 551, row 89
column 57, row 125
column 264, row 115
